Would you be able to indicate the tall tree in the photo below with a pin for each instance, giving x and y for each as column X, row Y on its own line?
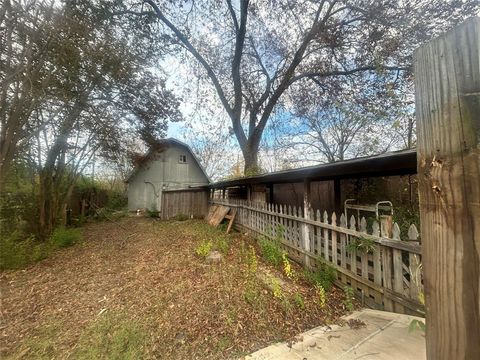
column 357, row 120
column 100, row 91
column 24, row 72
column 253, row 53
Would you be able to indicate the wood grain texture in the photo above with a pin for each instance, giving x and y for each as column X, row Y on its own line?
column 447, row 98
column 193, row 203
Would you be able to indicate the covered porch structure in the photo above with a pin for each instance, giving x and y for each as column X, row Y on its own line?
column 328, row 186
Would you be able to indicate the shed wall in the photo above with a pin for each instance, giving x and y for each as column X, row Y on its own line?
column 192, row 203
column 163, row 172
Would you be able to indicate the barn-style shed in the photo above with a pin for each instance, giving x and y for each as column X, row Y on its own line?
column 169, row 167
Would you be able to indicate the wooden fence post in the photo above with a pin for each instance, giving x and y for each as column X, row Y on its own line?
column 447, row 98
column 305, row 227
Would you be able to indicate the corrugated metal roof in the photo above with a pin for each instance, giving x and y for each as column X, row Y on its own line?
column 388, row 164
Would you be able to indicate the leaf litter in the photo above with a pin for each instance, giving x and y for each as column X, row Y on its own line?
column 148, row 272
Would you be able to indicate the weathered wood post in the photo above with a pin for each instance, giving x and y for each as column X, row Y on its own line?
column 305, row 228
column 337, row 196
column 447, row 98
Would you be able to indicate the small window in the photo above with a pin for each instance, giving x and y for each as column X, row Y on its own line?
column 183, row 159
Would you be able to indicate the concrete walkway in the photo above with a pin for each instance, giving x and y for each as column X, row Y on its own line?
column 378, row 335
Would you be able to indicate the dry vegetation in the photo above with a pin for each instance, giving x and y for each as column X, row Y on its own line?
column 136, row 289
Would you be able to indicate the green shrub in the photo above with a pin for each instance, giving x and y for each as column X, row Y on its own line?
column 271, row 251
column 404, row 216
column 251, row 261
column 322, row 296
column 276, row 288
column 18, row 251
column 222, row 245
column 204, row 248
column 14, row 251
column 417, row 325
column 116, row 200
column 324, row 276
column 361, row 245
column 348, row 302
column 223, row 227
column 63, row 237
column 298, row 299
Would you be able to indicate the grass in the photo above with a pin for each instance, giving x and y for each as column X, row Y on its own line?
column 181, row 217
column 211, row 238
column 112, row 336
column 43, row 344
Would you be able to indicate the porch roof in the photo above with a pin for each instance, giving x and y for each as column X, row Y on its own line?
column 402, row 162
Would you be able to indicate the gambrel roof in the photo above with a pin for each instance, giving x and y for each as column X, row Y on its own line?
column 161, row 146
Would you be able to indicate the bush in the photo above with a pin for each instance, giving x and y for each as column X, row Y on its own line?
column 63, row 237
column 116, row 200
column 222, row 245
column 271, row 251
column 322, row 296
column 15, row 251
column 348, row 302
column 361, row 245
column 204, row 248
column 298, row 299
column 324, row 276
column 18, row 250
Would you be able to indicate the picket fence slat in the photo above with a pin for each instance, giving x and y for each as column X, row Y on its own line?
column 388, row 275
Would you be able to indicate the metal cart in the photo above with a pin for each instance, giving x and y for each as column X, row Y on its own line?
column 384, row 206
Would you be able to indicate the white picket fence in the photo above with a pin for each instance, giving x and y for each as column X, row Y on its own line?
column 387, row 277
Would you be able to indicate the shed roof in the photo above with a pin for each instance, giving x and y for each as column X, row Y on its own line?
column 402, row 162
column 168, row 142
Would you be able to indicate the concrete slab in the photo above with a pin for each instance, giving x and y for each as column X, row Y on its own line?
column 385, row 335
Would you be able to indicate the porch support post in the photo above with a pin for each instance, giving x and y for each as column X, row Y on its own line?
column 337, row 196
column 447, row 101
column 270, row 193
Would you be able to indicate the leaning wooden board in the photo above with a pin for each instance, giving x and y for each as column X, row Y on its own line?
column 218, row 215
column 211, row 211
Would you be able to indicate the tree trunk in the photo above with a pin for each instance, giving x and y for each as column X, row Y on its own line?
column 45, row 225
column 250, row 155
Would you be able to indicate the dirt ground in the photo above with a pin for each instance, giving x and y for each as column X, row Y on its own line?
column 136, row 289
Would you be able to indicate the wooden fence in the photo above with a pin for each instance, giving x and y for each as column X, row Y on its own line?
column 387, row 277
column 189, row 202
